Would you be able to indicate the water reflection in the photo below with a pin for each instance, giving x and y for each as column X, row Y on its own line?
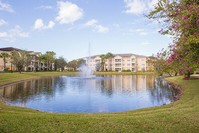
column 70, row 94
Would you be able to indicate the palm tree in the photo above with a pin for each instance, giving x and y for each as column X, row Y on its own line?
column 103, row 58
column 4, row 55
column 42, row 59
column 50, row 56
column 20, row 59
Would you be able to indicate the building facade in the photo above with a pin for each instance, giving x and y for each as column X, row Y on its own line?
column 8, row 63
column 119, row 62
column 35, row 63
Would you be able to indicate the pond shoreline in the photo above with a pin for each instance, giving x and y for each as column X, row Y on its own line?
column 38, row 77
column 177, row 88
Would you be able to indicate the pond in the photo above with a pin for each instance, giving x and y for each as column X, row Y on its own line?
column 114, row 93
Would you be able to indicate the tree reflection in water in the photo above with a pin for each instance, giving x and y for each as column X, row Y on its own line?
column 71, row 94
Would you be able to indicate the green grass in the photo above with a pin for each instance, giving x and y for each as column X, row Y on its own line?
column 180, row 116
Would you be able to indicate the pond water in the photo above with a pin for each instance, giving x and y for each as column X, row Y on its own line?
column 113, row 93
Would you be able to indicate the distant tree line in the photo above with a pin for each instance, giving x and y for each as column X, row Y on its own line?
column 100, row 66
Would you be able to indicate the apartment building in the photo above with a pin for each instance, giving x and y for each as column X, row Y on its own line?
column 119, row 62
column 8, row 60
column 35, row 64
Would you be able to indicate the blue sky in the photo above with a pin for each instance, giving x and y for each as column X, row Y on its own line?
column 68, row 26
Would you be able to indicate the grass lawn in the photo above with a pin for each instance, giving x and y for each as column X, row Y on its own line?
column 180, row 116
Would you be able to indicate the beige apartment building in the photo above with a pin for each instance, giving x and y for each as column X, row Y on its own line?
column 119, row 62
column 34, row 65
column 8, row 60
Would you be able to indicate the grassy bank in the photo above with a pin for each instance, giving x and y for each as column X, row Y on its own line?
column 6, row 78
column 181, row 116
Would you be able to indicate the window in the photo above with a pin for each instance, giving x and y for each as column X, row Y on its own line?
column 117, row 65
column 97, row 61
column 133, row 59
column 117, row 60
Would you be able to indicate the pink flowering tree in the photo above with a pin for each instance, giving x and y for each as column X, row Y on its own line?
column 164, row 64
column 180, row 19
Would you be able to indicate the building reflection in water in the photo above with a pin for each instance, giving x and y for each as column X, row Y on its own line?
column 145, row 90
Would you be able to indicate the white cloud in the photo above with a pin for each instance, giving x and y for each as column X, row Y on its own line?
column 68, row 12
column 117, row 26
column 141, row 32
column 135, row 6
column 91, row 23
column 101, row 29
column 50, row 25
column 2, row 22
column 39, row 25
column 145, row 43
column 6, row 7
column 152, row 4
column 94, row 24
column 3, row 34
column 46, row 7
column 138, row 7
column 13, row 34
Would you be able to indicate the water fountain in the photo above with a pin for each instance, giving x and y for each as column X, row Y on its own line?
column 86, row 71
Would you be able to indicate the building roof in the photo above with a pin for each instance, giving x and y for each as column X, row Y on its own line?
column 9, row 49
column 122, row 55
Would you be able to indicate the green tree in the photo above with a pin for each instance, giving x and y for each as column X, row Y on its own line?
column 43, row 60
column 21, row 59
column 72, row 64
column 76, row 64
column 60, row 63
column 103, row 58
column 4, row 55
column 50, row 59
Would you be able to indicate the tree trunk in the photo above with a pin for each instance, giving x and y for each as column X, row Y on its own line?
column 4, row 63
column 188, row 74
column 176, row 73
column 11, row 67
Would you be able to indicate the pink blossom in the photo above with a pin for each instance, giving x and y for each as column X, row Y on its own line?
column 188, row 69
column 175, row 26
column 181, row 72
column 174, row 50
column 185, row 18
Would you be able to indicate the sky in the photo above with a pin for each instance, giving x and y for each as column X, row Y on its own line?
column 68, row 27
